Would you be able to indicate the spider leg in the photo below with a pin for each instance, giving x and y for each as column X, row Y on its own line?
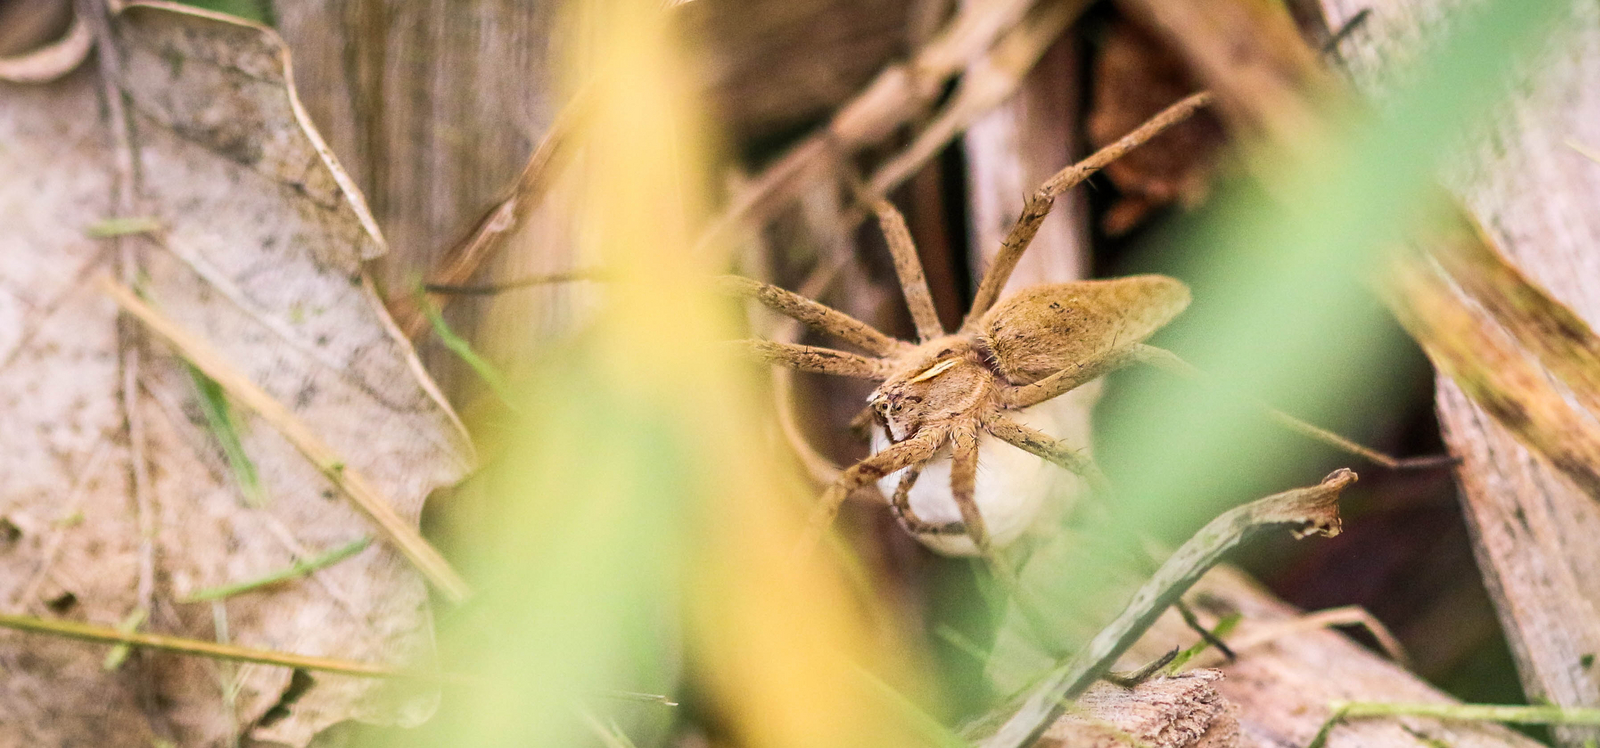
column 817, row 316
column 1168, row 361
column 963, row 486
column 909, row 269
column 1019, row 396
column 814, row 359
column 1045, row 446
column 919, row 448
column 1039, row 204
column 900, row 506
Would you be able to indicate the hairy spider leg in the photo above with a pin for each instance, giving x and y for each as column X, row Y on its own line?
column 964, row 486
column 1019, row 396
column 817, row 360
column 1047, row 447
column 1041, row 201
column 815, row 315
column 909, row 270
column 918, row 449
column 900, row 506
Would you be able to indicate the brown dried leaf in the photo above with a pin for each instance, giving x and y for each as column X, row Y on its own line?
column 1136, row 76
column 263, row 241
column 41, row 40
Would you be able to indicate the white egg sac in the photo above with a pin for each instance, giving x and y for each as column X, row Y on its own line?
column 1011, row 488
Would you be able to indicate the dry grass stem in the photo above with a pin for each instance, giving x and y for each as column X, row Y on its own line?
column 1349, row 615
column 501, row 222
column 202, row 648
column 353, row 484
column 985, row 85
column 898, row 94
column 126, row 193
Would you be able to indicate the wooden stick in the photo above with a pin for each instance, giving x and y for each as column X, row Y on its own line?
column 463, row 260
column 895, row 96
column 353, row 484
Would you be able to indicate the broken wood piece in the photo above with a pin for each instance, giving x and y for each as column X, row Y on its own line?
column 1183, row 711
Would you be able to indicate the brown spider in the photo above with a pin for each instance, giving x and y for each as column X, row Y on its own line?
column 949, row 390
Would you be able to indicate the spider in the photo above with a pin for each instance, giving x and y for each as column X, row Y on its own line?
column 950, row 392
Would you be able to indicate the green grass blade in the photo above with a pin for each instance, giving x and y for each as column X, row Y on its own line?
column 225, row 429
column 486, row 371
column 295, row 571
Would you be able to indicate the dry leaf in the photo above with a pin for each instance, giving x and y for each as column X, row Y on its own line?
column 41, row 40
column 1135, row 77
column 261, row 253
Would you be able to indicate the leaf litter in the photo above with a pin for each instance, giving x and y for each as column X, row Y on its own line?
column 254, row 239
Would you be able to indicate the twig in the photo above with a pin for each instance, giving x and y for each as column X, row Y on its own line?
column 182, row 645
column 501, row 222
column 985, row 85
column 1516, row 715
column 353, row 484
column 1304, row 510
column 490, row 289
column 296, row 570
column 1349, row 615
column 1223, row 628
column 1038, row 205
column 97, row 16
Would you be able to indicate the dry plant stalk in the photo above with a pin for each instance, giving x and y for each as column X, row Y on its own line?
column 462, row 261
column 895, row 96
column 1305, row 511
column 200, row 647
column 1006, row 35
column 353, row 484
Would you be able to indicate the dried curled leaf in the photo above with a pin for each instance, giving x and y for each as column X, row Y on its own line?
column 41, row 40
column 1136, row 76
column 261, row 253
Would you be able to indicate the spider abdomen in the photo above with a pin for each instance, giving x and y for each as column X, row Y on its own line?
column 1041, row 329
